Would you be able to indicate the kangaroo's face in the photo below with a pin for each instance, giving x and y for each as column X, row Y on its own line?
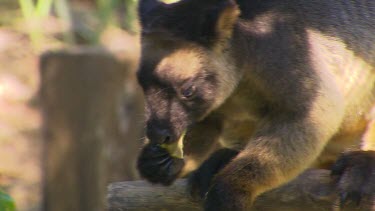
column 185, row 74
column 182, row 83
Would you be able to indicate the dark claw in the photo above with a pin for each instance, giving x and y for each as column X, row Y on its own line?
column 164, row 161
column 165, row 167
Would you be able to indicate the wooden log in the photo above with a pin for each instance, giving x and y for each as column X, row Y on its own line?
column 89, row 131
column 311, row 191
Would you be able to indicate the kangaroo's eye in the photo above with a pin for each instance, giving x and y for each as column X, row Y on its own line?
column 188, row 92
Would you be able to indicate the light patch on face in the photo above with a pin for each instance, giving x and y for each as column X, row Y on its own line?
column 181, row 65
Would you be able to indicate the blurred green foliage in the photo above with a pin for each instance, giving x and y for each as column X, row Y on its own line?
column 119, row 13
column 6, row 202
column 31, row 9
column 35, row 11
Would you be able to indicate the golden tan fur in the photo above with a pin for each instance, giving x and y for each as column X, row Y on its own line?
column 180, row 65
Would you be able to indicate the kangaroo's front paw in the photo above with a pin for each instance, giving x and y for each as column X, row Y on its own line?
column 226, row 194
column 354, row 173
column 200, row 180
column 157, row 166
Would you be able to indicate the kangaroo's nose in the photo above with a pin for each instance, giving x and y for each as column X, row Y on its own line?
column 158, row 135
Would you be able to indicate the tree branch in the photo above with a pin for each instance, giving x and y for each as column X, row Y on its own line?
column 311, row 191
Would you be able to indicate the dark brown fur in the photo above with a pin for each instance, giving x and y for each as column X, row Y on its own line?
column 288, row 84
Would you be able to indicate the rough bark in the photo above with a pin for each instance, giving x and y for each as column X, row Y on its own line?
column 311, row 191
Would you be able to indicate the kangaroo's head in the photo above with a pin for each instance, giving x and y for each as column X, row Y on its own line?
column 185, row 70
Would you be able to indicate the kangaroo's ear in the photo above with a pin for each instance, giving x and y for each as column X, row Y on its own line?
column 226, row 21
column 207, row 22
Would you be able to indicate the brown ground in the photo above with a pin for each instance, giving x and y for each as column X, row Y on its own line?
column 20, row 139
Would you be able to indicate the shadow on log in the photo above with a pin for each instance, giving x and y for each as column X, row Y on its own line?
column 311, row 191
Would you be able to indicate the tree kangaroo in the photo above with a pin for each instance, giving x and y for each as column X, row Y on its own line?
column 257, row 91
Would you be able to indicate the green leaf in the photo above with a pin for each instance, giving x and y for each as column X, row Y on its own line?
column 6, row 202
